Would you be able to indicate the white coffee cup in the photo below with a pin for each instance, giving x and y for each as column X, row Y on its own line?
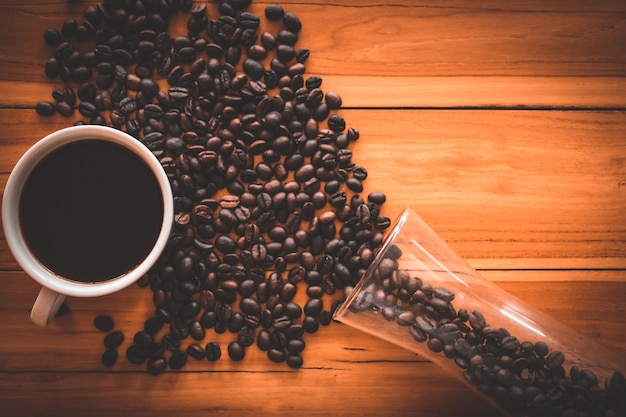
column 54, row 287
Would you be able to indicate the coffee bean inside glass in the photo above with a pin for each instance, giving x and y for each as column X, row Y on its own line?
column 91, row 211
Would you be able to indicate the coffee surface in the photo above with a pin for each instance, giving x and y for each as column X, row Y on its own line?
column 91, row 211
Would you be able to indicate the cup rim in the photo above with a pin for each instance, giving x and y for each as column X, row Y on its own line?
column 11, row 200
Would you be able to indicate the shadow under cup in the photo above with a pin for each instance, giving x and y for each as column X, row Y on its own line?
column 87, row 211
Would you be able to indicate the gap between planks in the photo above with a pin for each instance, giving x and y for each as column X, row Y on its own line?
column 379, row 92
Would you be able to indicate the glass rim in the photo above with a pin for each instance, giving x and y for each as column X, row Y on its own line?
column 390, row 237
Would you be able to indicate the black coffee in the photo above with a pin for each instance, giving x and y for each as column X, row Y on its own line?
column 91, row 211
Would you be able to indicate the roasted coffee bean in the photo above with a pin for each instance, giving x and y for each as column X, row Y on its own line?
column 555, row 359
column 276, row 355
column 156, row 366
column 288, row 291
column 236, row 351
column 163, row 314
column 196, row 351
column 213, row 351
column 293, row 310
column 52, row 68
column 236, row 322
column 477, row 320
column 225, row 244
column 68, row 28
column 52, row 37
column 62, row 107
column 333, row 100
column 246, row 336
column 189, row 310
column 264, row 340
column 310, row 324
column 178, row 328
column 541, row 348
column 426, row 324
column 616, row 385
column 266, row 318
column 295, row 346
column 86, row 92
column 417, row 333
column 294, row 360
column 253, row 68
column 281, row 323
column 435, row 345
column 291, row 22
column 153, row 325
column 510, row 344
column 113, row 340
column 87, row 109
column 258, row 252
column 153, row 111
column 109, row 358
column 196, row 330
column 135, row 355
column 128, row 105
column 325, row 318
column 143, row 339
column 313, row 307
column 250, row 306
column 149, row 87
column 104, row 323
column 208, row 319
column 80, row 74
column 178, row 359
column 274, row 12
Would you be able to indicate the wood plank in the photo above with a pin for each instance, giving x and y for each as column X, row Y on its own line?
column 323, row 392
column 601, row 93
column 342, row 366
column 71, row 343
column 548, row 6
column 492, row 92
column 531, row 179
column 568, row 268
column 494, row 184
column 401, row 39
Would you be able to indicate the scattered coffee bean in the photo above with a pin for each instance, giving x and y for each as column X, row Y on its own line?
column 109, row 357
column 236, row 352
column 274, row 12
column 213, row 351
column 45, row 108
column 156, row 366
column 294, row 360
column 259, row 166
column 178, row 359
column 103, row 323
column 113, row 340
column 135, row 355
column 196, row 351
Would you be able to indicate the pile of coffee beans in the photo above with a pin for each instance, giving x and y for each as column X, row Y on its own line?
column 525, row 378
column 267, row 195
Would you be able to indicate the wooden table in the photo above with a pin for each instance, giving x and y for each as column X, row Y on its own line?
column 502, row 125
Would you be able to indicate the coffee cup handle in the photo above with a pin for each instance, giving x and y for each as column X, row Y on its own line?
column 46, row 306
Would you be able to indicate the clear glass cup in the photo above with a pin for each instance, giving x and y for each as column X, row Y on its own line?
column 419, row 294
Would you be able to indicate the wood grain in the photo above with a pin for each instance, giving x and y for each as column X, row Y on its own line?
column 405, row 38
column 424, row 93
column 501, row 124
column 342, row 368
column 538, row 173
